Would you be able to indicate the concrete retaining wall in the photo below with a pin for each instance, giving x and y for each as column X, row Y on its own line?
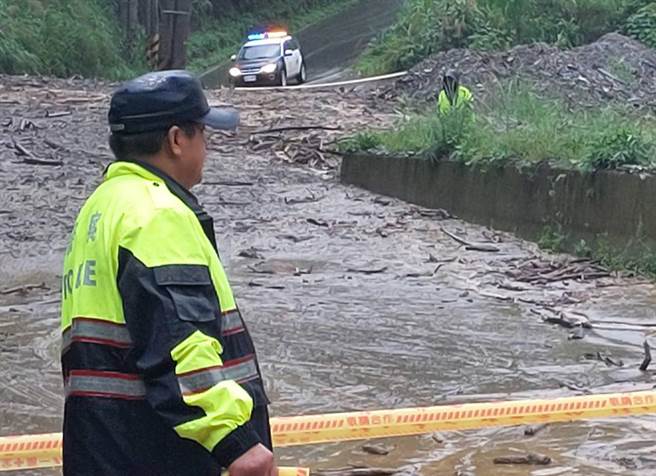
column 617, row 205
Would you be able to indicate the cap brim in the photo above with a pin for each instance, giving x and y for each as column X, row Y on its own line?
column 223, row 118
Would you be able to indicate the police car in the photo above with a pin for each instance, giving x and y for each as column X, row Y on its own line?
column 271, row 58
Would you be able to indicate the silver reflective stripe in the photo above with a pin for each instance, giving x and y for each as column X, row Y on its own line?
column 105, row 384
column 98, row 331
column 202, row 380
column 232, row 323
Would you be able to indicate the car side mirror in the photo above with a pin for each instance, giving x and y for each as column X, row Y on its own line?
column 289, row 52
column 233, row 58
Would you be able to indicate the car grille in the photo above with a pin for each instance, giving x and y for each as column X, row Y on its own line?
column 250, row 71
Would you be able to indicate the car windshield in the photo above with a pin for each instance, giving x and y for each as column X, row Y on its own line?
column 259, row 51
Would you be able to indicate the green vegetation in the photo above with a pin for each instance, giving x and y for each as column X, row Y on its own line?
column 82, row 37
column 642, row 25
column 61, row 37
column 219, row 36
column 517, row 125
column 428, row 26
column 636, row 257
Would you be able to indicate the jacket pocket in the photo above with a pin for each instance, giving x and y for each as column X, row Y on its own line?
column 191, row 290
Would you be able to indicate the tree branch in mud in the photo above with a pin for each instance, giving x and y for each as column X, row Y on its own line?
column 367, row 271
column 296, row 128
column 530, row 458
column 471, row 246
column 24, row 288
column 647, row 360
column 534, row 429
column 357, row 472
column 28, row 157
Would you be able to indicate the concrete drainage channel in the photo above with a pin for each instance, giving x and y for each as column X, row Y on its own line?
column 617, row 206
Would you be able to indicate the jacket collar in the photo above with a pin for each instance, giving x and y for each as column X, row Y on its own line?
column 147, row 171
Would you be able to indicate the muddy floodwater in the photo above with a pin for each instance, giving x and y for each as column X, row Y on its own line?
column 355, row 301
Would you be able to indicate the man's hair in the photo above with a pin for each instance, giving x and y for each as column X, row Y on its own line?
column 138, row 146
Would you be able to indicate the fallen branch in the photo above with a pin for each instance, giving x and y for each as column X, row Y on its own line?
column 24, row 288
column 296, row 128
column 647, row 360
column 28, row 157
column 357, row 472
column 534, row 429
column 373, row 449
column 229, row 183
column 531, row 458
column 471, row 246
column 50, row 115
column 314, row 221
column 33, row 161
column 367, row 271
column 22, row 150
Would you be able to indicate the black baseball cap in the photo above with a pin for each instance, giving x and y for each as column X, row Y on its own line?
column 162, row 99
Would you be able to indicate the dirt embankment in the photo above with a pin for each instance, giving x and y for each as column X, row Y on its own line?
column 615, row 68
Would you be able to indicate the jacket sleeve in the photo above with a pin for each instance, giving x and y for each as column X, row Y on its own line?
column 173, row 316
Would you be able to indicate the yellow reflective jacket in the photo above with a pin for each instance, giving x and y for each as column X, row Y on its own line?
column 159, row 370
column 462, row 99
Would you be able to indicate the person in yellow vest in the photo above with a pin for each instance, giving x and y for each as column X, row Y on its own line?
column 160, row 372
column 453, row 95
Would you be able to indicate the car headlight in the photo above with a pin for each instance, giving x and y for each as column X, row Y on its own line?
column 269, row 68
column 234, row 72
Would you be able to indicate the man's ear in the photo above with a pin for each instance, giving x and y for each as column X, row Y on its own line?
column 175, row 137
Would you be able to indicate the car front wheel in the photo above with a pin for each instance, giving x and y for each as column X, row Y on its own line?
column 302, row 75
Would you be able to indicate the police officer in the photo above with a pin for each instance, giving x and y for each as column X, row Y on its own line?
column 453, row 95
column 160, row 372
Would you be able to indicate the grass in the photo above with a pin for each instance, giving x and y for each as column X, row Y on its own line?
column 61, row 38
column 428, row 26
column 216, row 39
column 517, row 125
column 636, row 257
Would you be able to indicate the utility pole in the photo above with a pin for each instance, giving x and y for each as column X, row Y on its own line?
column 175, row 26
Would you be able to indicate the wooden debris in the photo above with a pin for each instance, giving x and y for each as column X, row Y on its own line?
column 437, row 438
column 534, row 429
column 367, row 271
column 544, row 273
column 357, row 471
column 309, row 199
column 605, row 358
column 314, row 221
column 294, row 238
column 647, row 360
column 426, row 274
column 296, row 128
column 530, row 458
column 471, row 246
column 33, row 161
column 229, row 183
column 255, row 284
column 25, row 288
column 28, row 157
column 251, row 253
column 52, row 115
column 374, row 449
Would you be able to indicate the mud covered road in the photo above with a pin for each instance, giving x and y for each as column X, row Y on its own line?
column 355, row 301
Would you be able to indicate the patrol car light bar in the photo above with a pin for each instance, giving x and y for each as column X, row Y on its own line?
column 267, row 35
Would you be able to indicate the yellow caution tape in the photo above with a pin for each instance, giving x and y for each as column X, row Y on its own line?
column 289, row 431
column 39, row 451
